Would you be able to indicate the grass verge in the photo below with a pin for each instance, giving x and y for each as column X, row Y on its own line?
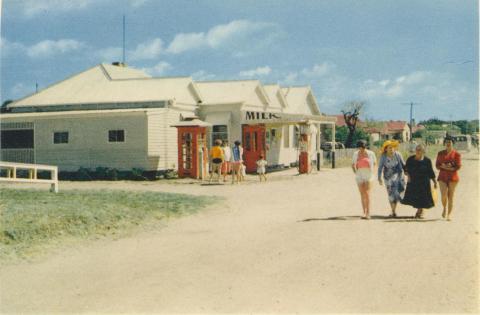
column 31, row 220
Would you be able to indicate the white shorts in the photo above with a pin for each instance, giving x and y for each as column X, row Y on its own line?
column 364, row 175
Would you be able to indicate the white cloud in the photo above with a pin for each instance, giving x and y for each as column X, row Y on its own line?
column 31, row 8
column 319, row 70
column 148, row 50
column 159, row 69
column 7, row 47
column 202, row 75
column 234, row 35
column 394, row 88
column 183, row 42
column 110, row 54
column 260, row 71
column 47, row 48
column 290, row 78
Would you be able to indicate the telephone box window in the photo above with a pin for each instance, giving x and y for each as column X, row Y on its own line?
column 116, row 136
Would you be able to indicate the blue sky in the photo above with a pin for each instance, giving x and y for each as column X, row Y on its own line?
column 380, row 51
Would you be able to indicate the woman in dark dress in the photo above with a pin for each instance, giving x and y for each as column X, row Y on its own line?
column 419, row 171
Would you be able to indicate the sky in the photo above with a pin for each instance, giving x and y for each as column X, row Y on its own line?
column 383, row 52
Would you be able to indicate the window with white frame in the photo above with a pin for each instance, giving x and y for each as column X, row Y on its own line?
column 286, row 136
column 60, row 137
column 116, row 135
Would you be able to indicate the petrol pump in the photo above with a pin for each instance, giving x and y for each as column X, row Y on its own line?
column 304, row 159
column 192, row 149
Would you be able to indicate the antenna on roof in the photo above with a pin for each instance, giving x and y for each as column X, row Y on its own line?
column 123, row 45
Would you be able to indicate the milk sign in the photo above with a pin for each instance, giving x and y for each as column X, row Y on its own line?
column 261, row 116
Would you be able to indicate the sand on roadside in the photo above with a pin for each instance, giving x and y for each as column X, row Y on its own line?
column 293, row 244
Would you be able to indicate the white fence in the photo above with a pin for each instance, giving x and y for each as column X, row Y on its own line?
column 11, row 171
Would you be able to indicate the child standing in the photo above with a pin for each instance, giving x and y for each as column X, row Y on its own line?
column 261, row 165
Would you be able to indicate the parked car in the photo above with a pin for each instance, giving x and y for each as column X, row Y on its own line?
column 327, row 146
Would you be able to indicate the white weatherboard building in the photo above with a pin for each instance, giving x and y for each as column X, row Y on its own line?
column 118, row 117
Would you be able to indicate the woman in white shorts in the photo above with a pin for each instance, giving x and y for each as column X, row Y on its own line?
column 363, row 164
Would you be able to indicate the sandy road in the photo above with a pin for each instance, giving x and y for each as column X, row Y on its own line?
column 292, row 245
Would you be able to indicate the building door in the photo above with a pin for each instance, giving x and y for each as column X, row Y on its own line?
column 253, row 145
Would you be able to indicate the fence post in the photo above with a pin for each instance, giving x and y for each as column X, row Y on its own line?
column 333, row 159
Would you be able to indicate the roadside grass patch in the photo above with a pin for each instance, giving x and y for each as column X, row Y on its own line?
column 33, row 219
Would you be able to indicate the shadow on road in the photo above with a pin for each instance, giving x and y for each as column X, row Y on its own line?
column 387, row 219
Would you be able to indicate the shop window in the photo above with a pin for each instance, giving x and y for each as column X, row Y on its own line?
column 60, row 137
column 17, row 139
column 116, row 136
column 296, row 136
column 219, row 132
column 286, row 136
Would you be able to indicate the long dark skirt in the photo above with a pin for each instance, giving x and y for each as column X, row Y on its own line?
column 418, row 194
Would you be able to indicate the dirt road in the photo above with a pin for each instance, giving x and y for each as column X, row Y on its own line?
column 295, row 244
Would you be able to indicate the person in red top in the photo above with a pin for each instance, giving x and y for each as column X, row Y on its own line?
column 448, row 162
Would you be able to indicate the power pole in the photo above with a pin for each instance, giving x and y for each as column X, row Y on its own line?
column 123, row 43
column 411, row 117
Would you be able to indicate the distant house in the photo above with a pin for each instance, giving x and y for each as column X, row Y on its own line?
column 396, row 129
column 341, row 121
column 387, row 130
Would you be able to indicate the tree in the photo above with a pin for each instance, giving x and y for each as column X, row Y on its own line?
column 350, row 112
column 3, row 108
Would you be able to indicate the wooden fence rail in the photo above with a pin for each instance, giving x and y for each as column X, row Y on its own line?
column 9, row 173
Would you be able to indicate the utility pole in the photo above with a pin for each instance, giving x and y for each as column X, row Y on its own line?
column 123, row 43
column 411, row 117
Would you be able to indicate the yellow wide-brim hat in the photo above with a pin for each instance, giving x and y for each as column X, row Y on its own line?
column 393, row 143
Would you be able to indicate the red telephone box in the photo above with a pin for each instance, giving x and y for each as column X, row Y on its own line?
column 304, row 160
column 192, row 149
column 253, row 145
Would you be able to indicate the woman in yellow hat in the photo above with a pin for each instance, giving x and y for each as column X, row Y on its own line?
column 391, row 165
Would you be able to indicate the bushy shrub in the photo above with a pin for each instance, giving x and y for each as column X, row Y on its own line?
column 83, row 174
column 171, row 174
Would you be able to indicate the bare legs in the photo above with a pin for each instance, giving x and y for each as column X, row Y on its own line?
column 364, row 189
column 447, row 191
column 393, row 205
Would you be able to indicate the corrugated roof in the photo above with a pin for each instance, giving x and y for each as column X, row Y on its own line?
column 112, row 84
column 227, row 92
column 275, row 95
column 297, row 99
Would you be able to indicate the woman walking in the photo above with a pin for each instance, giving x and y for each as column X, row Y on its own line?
column 448, row 162
column 419, row 173
column 363, row 164
column 237, row 161
column 391, row 164
column 227, row 153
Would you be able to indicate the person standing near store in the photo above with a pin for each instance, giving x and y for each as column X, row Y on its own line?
column 448, row 163
column 237, row 161
column 216, row 153
column 227, row 153
column 261, row 168
column 419, row 171
column 391, row 164
column 363, row 164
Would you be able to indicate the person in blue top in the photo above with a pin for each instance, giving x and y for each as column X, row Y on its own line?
column 237, row 160
column 391, row 165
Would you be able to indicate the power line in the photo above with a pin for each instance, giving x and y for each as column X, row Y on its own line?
column 411, row 116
